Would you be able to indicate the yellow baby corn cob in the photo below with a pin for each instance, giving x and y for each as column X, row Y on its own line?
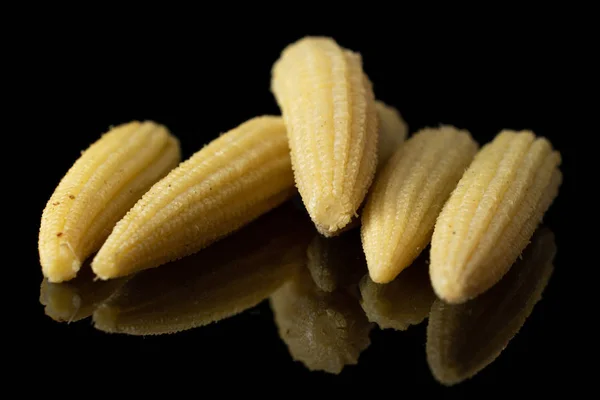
column 329, row 110
column 78, row 298
column 392, row 132
column 407, row 196
column 230, row 182
column 492, row 214
column 403, row 302
column 462, row 339
column 324, row 331
column 105, row 182
column 218, row 282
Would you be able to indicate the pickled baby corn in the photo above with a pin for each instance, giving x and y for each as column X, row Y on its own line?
column 407, row 196
column 463, row 339
column 392, row 132
column 492, row 213
column 105, row 182
column 230, row 182
column 328, row 106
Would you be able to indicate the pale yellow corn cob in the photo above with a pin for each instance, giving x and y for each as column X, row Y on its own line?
column 78, row 298
column 218, row 282
column 403, row 302
column 329, row 109
column 336, row 263
column 105, row 182
column 392, row 132
column 408, row 195
column 324, row 331
column 492, row 214
column 230, row 182
column 462, row 339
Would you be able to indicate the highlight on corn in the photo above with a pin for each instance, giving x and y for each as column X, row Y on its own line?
column 492, row 213
column 230, row 182
column 328, row 106
column 105, row 182
column 408, row 195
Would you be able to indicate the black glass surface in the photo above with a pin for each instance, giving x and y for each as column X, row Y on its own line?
column 275, row 302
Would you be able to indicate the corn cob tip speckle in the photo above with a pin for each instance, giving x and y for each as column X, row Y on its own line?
column 491, row 215
column 328, row 106
column 105, row 182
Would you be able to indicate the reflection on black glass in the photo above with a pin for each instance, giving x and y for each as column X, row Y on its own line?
column 225, row 279
column 77, row 299
column 403, row 302
column 324, row 330
column 337, row 262
column 463, row 339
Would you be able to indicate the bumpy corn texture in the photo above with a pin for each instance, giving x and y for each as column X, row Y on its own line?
column 324, row 331
column 230, row 182
column 218, row 282
column 408, row 195
column 392, row 132
column 329, row 110
column 78, row 298
column 336, row 263
column 105, row 182
column 403, row 302
column 490, row 217
column 462, row 339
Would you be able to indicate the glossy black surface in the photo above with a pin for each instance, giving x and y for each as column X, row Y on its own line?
column 200, row 84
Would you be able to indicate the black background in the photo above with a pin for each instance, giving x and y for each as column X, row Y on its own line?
column 201, row 80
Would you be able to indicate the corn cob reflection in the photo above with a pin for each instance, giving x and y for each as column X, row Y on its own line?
column 462, row 339
column 218, row 282
column 403, row 302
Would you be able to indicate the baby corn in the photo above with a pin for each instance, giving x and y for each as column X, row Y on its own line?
column 328, row 106
column 392, row 132
column 491, row 215
column 105, row 182
column 230, row 182
column 408, row 195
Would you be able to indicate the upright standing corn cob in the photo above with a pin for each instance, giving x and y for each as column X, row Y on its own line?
column 329, row 110
column 408, row 195
column 392, row 132
column 491, row 215
column 230, row 182
column 462, row 339
column 108, row 178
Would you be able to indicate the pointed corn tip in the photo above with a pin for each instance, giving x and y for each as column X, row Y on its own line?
column 449, row 290
column 380, row 274
column 63, row 267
